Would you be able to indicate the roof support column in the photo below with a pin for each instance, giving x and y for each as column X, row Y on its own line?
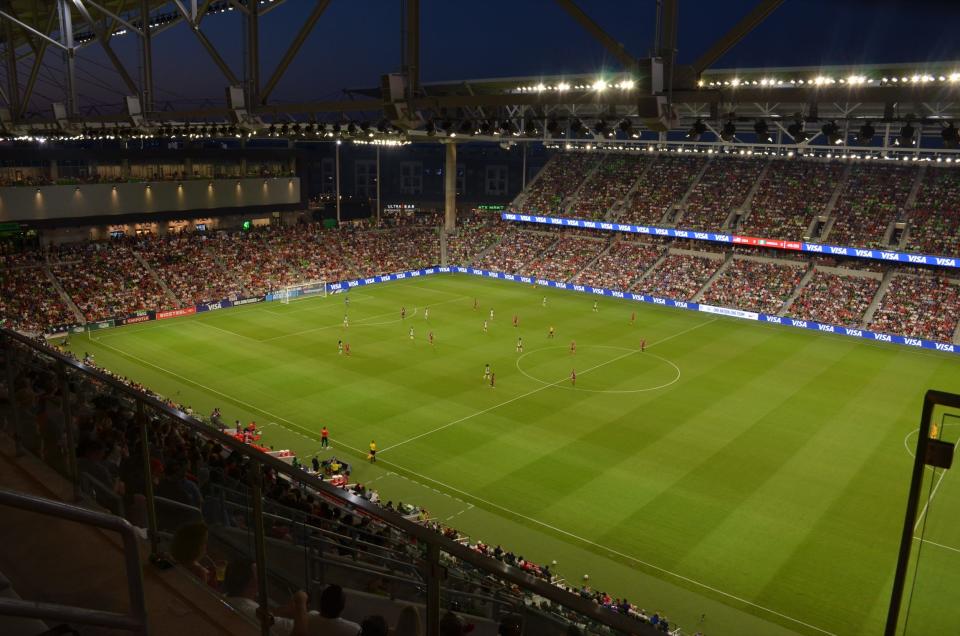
column 450, row 188
column 146, row 51
column 253, row 53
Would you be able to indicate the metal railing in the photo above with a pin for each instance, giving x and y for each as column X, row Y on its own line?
column 149, row 414
column 135, row 620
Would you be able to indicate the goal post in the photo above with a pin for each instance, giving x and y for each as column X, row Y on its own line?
column 303, row 290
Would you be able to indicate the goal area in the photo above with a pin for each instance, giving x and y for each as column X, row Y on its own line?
column 299, row 291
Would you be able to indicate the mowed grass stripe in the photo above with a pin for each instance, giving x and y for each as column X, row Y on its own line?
column 622, row 475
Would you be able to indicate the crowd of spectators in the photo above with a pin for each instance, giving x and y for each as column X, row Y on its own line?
column 550, row 193
column 312, row 253
column 935, row 218
column 624, row 263
column 608, row 185
column 789, row 196
column 515, row 251
column 185, row 264
column 661, row 187
column 872, row 196
column 29, row 302
column 679, row 276
column 106, row 280
column 761, row 286
column 723, row 187
column 474, row 235
column 565, row 258
column 252, row 259
column 834, row 299
column 387, row 251
column 926, row 306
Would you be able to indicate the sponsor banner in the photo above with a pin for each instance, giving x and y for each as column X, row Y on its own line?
column 815, row 248
column 726, row 311
column 248, row 301
column 57, row 330
column 103, row 324
column 140, row 316
column 176, row 313
column 862, row 333
column 223, row 304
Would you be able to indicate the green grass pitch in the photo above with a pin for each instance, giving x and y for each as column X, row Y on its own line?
column 743, row 478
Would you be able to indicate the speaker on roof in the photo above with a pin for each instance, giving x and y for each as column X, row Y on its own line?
column 236, row 100
column 134, row 111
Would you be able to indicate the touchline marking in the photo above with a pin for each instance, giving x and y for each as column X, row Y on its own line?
column 497, row 506
column 609, row 550
column 539, row 389
column 939, row 545
column 933, row 494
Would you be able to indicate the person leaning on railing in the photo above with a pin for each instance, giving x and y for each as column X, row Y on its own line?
column 240, row 585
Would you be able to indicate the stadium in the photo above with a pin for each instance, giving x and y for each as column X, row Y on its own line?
column 624, row 346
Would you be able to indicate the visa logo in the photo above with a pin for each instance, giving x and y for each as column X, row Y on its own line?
column 369, row 281
column 444, row 270
column 541, row 219
column 623, row 228
column 590, row 224
column 617, row 294
column 827, row 328
column 636, row 296
column 682, row 233
column 798, row 323
column 814, row 248
column 524, row 217
column 723, row 238
column 606, row 226
column 597, row 290
column 854, row 332
column 774, row 319
column 508, row 276
column 913, row 342
column 353, row 283
column 661, row 232
column 944, row 347
column 838, row 250
column 336, row 286
column 411, row 273
column 889, row 256
column 525, row 279
column 579, row 288
column 864, row 253
column 882, row 337
column 947, row 262
column 703, row 236
column 399, row 276
column 428, row 271
column 681, row 305
column 659, row 301
column 561, row 285
column 540, row 281
column 913, row 258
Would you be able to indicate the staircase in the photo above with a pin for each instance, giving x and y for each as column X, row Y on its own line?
column 747, row 205
column 64, row 295
column 875, row 303
column 681, row 205
column 522, row 195
column 156, row 277
column 832, row 203
column 726, row 263
column 956, row 335
column 443, row 246
column 811, row 270
column 910, row 205
column 479, row 256
column 619, row 205
column 575, row 195
column 650, row 269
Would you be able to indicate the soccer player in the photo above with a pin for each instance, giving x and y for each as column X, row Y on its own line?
column 633, row 318
column 544, row 301
column 426, row 313
column 491, row 313
column 411, row 333
column 373, row 452
column 346, row 322
column 340, row 347
column 595, row 306
column 573, row 377
column 493, row 380
column 346, row 301
column 516, row 320
column 347, row 348
column 324, row 438
column 643, row 346
column 486, row 372
column 403, row 313
column 573, row 347
column 476, row 305
column 519, row 345
column 484, row 326
column 550, row 333
column 431, row 338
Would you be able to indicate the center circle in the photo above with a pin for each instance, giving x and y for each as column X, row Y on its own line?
column 667, row 374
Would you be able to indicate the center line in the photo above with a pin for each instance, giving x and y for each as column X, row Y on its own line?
column 539, row 389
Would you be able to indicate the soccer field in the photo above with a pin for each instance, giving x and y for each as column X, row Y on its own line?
column 742, row 478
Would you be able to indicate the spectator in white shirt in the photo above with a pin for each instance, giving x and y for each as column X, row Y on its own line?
column 329, row 623
column 240, row 585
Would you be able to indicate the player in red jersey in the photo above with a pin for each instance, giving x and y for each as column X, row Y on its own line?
column 475, row 304
column 573, row 347
column 633, row 318
column 403, row 313
column 346, row 348
column 573, row 377
column 516, row 320
column 431, row 338
column 643, row 345
column 493, row 380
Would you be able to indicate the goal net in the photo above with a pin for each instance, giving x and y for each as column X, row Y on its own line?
column 303, row 290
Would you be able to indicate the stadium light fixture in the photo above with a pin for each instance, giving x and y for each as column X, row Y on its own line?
column 599, row 85
column 553, row 127
column 576, row 126
column 832, row 132
column 950, row 136
column 696, row 131
column 763, row 132
column 908, row 135
column 430, row 128
column 729, row 131
column 796, row 130
column 600, row 128
column 866, row 133
column 530, row 128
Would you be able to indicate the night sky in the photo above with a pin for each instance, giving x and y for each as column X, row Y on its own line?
column 356, row 41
